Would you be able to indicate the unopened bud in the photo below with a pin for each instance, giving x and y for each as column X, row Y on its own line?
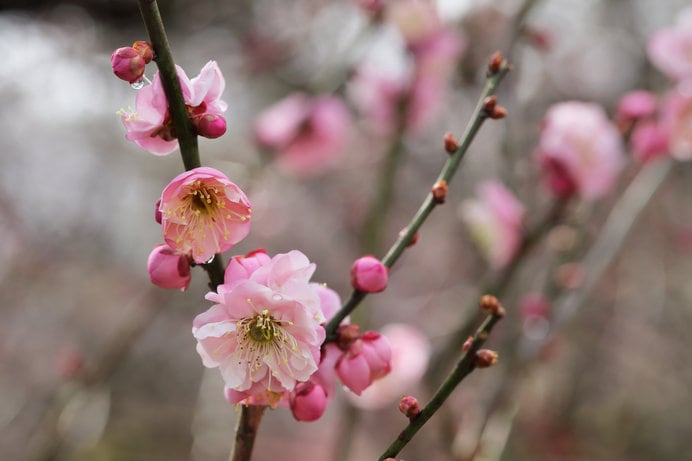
column 368, row 274
column 210, row 126
column 495, row 63
column 409, row 406
column 491, row 305
column 69, row 361
column 414, row 237
column 489, row 104
column 127, row 64
column 486, row 358
column 439, row 191
column 145, row 50
column 467, row 344
column 346, row 335
column 498, row 113
column 570, row 276
column 451, row 143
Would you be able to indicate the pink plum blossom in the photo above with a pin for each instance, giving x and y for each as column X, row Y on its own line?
column 366, row 360
column 306, row 134
column 265, row 331
column 203, row 213
column 168, row 268
column 410, row 355
column 495, row 221
column 409, row 97
column 676, row 117
column 579, row 150
column 670, row 49
column 369, row 275
column 150, row 126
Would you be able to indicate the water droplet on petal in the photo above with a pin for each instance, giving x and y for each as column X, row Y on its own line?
column 209, row 260
column 277, row 297
column 138, row 84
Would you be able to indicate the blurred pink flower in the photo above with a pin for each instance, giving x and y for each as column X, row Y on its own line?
column 306, row 134
column 495, row 221
column 676, row 118
column 366, row 360
column 670, row 49
column 168, row 268
column 579, row 150
column 368, row 274
column 410, row 354
column 203, row 213
column 633, row 106
column 416, row 21
column 150, row 125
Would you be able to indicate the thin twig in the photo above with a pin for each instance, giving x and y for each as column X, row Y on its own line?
column 187, row 138
column 448, row 170
column 464, row 367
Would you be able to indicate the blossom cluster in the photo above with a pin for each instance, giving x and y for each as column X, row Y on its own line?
column 265, row 331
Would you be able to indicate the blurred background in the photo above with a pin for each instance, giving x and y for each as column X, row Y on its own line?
column 96, row 363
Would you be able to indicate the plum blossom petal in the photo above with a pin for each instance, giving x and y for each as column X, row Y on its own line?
column 670, row 49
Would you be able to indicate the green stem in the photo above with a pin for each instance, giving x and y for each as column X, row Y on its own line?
column 187, row 138
column 464, row 367
column 246, row 431
column 448, row 170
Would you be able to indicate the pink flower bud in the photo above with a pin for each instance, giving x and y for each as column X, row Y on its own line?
column 368, row 274
column 409, row 406
column 367, row 359
column 486, row 358
column 145, row 50
column 127, row 64
column 210, row 125
column 308, row 401
column 168, row 268
column 649, row 140
column 633, row 106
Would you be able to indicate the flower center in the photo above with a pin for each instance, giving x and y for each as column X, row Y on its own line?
column 262, row 328
column 203, row 199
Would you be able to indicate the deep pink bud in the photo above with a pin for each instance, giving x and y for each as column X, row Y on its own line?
column 635, row 105
column 210, row 125
column 127, row 64
column 409, row 406
column 308, row 401
column 157, row 211
column 368, row 274
column 168, row 268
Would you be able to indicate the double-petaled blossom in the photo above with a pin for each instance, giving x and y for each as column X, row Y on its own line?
column 265, row 331
column 150, row 126
column 203, row 213
column 168, row 268
column 670, row 49
column 307, row 135
column 580, row 150
column 495, row 221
